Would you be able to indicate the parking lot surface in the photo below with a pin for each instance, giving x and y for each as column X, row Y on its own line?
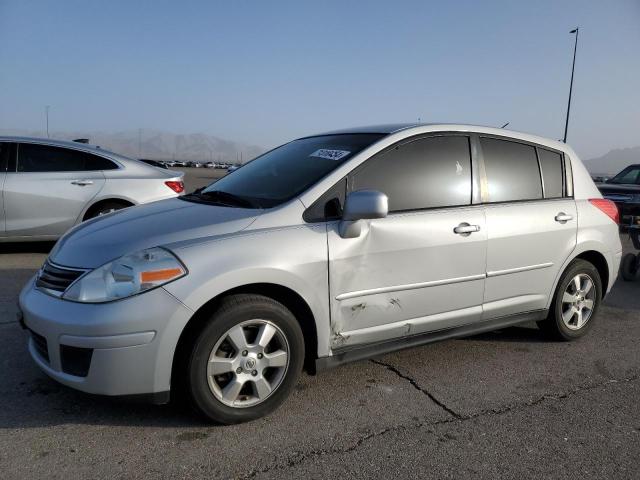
column 502, row 404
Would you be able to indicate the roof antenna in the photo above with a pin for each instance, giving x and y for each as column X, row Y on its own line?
column 504, row 125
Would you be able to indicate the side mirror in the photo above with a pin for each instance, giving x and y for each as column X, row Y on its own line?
column 362, row 205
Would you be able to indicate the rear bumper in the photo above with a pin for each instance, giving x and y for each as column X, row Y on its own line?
column 120, row 348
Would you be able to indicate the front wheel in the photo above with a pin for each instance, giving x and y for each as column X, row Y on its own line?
column 246, row 360
column 575, row 302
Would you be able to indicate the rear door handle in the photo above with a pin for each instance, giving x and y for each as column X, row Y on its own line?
column 82, row 183
column 465, row 229
column 563, row 217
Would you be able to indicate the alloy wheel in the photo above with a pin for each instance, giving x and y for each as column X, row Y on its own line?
column 248, row 363
column 578, row 301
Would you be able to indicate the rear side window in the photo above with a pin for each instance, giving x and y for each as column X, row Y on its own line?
column 429, row 172
column 44, row 158
column 512, row 170
column 552, row 178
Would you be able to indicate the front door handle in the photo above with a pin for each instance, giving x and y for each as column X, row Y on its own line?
column 465, row 229
column 82, row 183
column 563, row 217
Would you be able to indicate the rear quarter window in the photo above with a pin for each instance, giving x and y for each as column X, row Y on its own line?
column 552, row 173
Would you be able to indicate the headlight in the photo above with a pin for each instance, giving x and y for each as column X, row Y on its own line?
column 126, row 276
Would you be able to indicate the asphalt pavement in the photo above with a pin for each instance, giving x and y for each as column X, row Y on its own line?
column 506, row 404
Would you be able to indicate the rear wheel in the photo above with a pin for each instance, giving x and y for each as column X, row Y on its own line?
column 575, row 302
column 246, row 360
column 105, row 208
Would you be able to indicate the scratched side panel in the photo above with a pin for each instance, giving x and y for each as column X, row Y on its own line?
column 397, row 253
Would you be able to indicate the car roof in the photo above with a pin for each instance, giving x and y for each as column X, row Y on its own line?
column 387, row 128
column 60, row 143
column 418, row 128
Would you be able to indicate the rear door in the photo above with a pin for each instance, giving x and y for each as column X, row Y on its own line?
column 49, row 189
column 411, row 272
column 531, row 225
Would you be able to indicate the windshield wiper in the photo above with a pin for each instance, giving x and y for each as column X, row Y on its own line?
column 226, row 198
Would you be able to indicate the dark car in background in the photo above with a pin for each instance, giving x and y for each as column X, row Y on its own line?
column 624, row 190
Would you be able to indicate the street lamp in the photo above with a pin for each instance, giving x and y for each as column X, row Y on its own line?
column 575, row 47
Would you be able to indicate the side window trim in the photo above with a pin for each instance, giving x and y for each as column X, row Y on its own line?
column 568, row 171
column 541, row 173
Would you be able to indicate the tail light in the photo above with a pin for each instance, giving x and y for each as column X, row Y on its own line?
column 607, row 207
column 176, row 186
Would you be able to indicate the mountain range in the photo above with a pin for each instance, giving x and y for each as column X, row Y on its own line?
column 159, row 145
column 613, row 161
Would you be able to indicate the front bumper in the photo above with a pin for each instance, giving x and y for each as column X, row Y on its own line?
column 124, row 347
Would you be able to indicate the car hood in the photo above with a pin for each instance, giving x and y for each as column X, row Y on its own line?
column 98, row 241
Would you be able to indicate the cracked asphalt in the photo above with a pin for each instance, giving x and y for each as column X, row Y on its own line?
column 503, row 404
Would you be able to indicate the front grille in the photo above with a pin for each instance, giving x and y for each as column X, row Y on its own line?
column 56, row 278
column 75, row 360
column 40, row 344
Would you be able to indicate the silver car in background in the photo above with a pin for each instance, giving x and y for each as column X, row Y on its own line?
column 48, row 186
column 329, row 249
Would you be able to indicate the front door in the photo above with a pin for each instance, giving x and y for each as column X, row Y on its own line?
column 416, row 270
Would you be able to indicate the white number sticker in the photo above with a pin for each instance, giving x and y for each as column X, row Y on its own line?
column 330, row 154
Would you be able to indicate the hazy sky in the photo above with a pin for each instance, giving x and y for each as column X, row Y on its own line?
column 263, row 72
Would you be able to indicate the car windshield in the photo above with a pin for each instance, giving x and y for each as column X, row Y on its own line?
column 285, row 172
column 628, row 176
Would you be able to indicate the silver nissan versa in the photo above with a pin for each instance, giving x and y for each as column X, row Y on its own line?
column 329, row 249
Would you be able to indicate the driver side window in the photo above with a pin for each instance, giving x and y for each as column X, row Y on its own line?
column 430, row 172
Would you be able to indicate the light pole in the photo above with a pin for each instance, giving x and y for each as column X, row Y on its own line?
column 573, row 66
column 46, row 114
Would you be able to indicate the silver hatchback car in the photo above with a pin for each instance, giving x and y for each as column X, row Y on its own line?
column 48, row 186
column 329, row 249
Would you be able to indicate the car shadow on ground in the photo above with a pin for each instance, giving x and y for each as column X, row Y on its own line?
column 36, row 401
column 26, row 247
column 518, row 334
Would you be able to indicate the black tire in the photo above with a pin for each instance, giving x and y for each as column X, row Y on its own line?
column 554, row 325
column 104, row 208
column 235, row 311
column 629, row 267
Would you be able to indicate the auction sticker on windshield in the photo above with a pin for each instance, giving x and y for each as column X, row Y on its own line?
column 330, row 154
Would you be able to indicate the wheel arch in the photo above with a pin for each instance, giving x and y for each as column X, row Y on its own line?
column 599, row 261
column 97, row 203
column 593, row 255
column 284, row 295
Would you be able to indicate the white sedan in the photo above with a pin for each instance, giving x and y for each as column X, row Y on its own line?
column 48, row 186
